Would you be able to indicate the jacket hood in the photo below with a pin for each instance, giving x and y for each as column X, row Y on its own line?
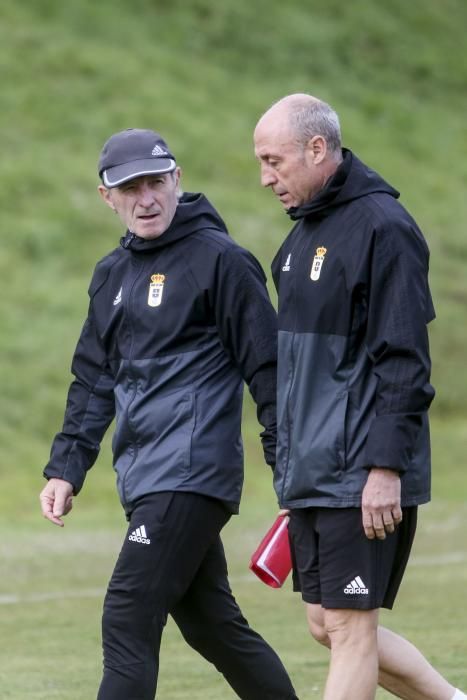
column 352, row 180
column 194, row 212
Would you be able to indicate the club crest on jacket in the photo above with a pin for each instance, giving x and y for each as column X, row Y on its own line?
column 318, row 261
column 156, row 287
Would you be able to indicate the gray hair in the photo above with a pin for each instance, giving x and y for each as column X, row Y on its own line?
column 312, row 117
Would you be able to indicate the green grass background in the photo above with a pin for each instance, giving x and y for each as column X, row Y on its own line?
column 202, row 73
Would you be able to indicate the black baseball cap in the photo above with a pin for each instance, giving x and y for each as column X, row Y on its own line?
column 134, row 153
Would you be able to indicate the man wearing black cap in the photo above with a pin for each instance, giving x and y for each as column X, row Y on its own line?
column 179, row 317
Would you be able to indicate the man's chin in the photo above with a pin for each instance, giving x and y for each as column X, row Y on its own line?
column 285, row 201
column 147, row 233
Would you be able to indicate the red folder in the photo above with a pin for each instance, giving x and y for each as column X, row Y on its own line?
column 272, row 561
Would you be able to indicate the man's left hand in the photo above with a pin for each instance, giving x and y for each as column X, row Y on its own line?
column 381, row 503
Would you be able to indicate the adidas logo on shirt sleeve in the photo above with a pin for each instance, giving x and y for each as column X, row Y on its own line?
column 139, row 535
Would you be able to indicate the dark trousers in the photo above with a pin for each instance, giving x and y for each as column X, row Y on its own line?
column 174, row 564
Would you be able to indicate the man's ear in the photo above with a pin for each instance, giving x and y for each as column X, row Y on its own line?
column 106, row 196
column 177, row 175
column 317, row 149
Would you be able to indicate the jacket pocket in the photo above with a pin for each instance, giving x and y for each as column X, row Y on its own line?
column 163, row 426
column 341, row 432
column 318, row 433
column 318, row 450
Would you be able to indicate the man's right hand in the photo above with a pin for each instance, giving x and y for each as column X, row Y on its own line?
column 381, row 503
column 56, row 500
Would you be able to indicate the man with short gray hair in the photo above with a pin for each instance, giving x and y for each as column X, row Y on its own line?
column 179, row 318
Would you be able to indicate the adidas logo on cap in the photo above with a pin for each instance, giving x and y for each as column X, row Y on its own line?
column 158, row 151
column 356, row 587
column 139, row 535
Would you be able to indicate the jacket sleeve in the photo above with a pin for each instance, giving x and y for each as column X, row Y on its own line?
column 89, row 411
column 247, row 325
column 399, row 309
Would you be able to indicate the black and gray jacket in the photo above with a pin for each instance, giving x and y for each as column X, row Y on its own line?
column 175, row 326
column 354, row 366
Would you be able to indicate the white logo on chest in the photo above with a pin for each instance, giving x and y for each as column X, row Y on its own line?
column 156, row 289
column 318, row 262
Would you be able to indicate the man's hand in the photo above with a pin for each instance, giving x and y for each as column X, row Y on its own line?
column 381, row 503
column 56, row 500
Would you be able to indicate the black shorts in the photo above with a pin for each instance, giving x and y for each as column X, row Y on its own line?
column 336, row 565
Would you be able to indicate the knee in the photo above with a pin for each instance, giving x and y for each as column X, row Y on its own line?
column 317, row 629
column 337, row 627
column 125, row 615
column 351, row 627
column 196, row 636
column 319, row 633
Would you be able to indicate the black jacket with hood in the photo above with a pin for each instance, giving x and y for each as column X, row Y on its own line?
column 175, row 325
column 354, row 366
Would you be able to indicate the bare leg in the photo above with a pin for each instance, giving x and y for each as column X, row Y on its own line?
column 353, row 671
column 403, row 670
column 406, row 673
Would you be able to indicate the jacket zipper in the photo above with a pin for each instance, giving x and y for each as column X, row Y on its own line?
column 306, row 240
column 132, row 379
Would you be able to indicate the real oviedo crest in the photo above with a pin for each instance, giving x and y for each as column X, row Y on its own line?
column 156, row 288
column 318, row 261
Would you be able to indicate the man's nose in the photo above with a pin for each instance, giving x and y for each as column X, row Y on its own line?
column 268, row 177
column 146, row 196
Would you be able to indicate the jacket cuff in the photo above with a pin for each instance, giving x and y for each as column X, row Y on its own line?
column 77, row 481
column 391, row 441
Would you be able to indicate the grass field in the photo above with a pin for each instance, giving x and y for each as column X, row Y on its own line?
column 202, row 73
column 53, row 581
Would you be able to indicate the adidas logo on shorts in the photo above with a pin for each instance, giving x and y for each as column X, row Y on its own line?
column 356, row 587
column 140, row 535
